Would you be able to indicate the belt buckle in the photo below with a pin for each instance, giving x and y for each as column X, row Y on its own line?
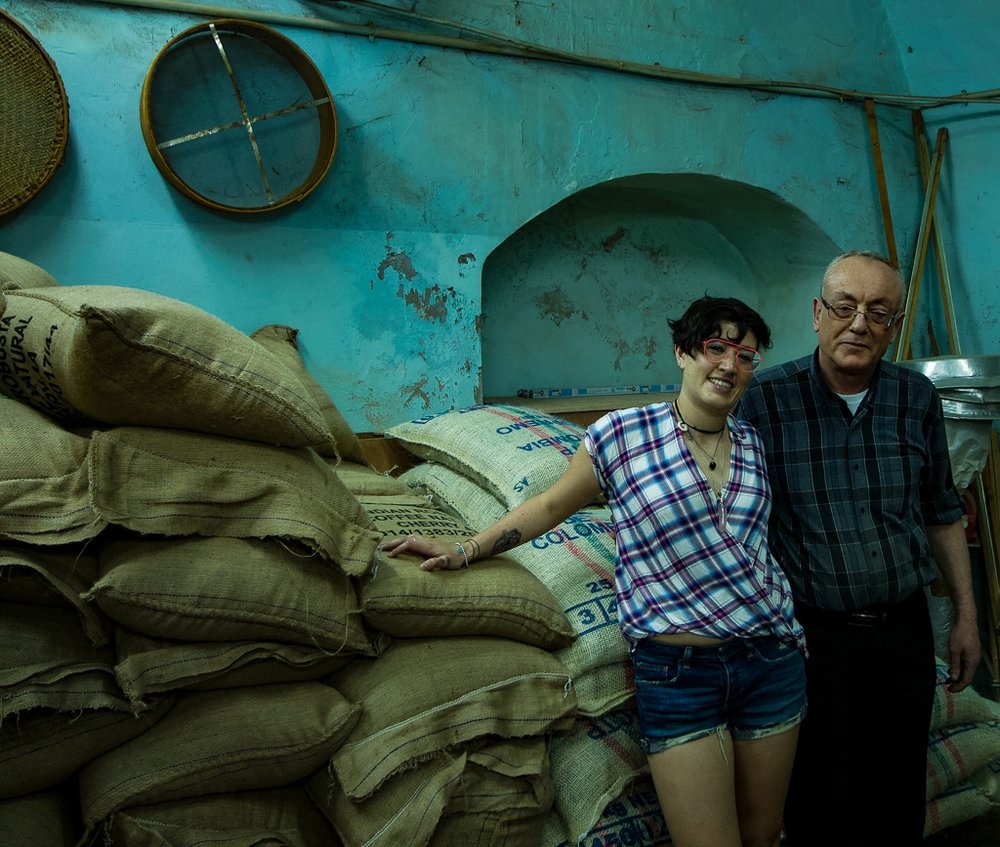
column 865, row 619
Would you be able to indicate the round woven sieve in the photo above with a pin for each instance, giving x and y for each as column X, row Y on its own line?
column 236, row 117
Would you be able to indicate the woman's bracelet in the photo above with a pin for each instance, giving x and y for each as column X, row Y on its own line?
column 465, row 556
column 476, row 553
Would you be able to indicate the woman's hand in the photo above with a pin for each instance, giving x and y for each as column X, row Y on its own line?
column 440, row 556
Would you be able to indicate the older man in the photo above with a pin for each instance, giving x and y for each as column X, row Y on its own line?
column 864, row 515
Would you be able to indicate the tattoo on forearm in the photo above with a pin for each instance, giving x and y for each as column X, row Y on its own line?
column 508, row 540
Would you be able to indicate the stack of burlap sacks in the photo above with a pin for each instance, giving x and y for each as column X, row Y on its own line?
column 197, row 643
column 963, row 756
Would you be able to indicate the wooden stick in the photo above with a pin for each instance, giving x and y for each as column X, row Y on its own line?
column 944, row 280
column 883, row 192
column 903, row 342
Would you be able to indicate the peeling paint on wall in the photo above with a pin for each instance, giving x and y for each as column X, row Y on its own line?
column 397, row 261
column 409, row 393
column 555, row 304
column 646, row 345
column 431, row 305
column 466, row 263
column 613, row 239
column 650, row 349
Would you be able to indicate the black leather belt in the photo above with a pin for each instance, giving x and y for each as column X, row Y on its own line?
column 867, row 617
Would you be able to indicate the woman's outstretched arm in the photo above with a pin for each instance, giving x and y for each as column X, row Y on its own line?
column 574, row 490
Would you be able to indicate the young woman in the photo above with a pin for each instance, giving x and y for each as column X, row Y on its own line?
column 718, row 655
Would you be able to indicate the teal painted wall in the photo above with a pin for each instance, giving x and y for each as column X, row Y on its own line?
column 444, row 156
column 944, row 51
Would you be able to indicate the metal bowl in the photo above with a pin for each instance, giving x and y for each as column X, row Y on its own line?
column 970, row 411
column 958, row 371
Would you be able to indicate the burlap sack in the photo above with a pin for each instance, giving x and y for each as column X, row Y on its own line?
column 277, row 816
column 592, row 765
column 16, row 272
column 633, row 818
column 43, row 479
column 363, row 480
column 214, row 742
column 508, row 778
column 227, row 589
column 44, row 819
column 451, row 491
column 512, row 452
column 148, row 667
column 404, row 811
column 52, row 576
column 125, row 356
column 425, row 695
column 47, row 662
column 490, row 829
column 409, row 512
column 576, row 562
column 978, row 795
column 494, row 761
column 495, row 596
column 962, row 707
column 171, row 482
column 283, row 342
column 956, row 752
column 508, row 803
column 42, row 748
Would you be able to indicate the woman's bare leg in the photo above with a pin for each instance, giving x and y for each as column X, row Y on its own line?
column 696, row 789
column 763, row 769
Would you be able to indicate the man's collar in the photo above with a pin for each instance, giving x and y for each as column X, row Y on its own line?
column 820, row 381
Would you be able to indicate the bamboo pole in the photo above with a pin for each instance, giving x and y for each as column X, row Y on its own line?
column 923, row 157
column 903, row 343
column 883, row 191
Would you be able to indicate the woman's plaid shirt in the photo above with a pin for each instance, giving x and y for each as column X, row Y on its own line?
column 688, row 561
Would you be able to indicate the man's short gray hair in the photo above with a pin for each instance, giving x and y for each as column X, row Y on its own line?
column 872, row 256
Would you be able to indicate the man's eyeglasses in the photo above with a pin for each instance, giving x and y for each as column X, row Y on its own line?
column 874, row 317
column 717, row 349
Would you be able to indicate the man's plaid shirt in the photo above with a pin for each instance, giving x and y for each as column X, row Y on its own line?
column 852, row 494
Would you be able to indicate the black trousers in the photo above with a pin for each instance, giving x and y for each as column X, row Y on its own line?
column 860, row 771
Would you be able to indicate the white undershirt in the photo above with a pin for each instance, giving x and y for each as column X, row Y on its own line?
column 853, row 400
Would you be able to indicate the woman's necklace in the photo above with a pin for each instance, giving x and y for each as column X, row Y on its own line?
column 711, row 459
column 684, row 426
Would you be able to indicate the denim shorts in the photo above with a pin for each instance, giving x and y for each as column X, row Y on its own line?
column 754, row 687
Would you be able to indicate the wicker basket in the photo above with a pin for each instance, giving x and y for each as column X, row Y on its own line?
column 34, row 126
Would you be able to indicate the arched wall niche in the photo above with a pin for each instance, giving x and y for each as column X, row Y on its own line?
column 580, row 295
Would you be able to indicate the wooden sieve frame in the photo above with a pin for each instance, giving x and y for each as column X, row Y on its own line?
column 303, row 65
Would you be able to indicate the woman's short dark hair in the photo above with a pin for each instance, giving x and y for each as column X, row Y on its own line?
column 703, row 319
